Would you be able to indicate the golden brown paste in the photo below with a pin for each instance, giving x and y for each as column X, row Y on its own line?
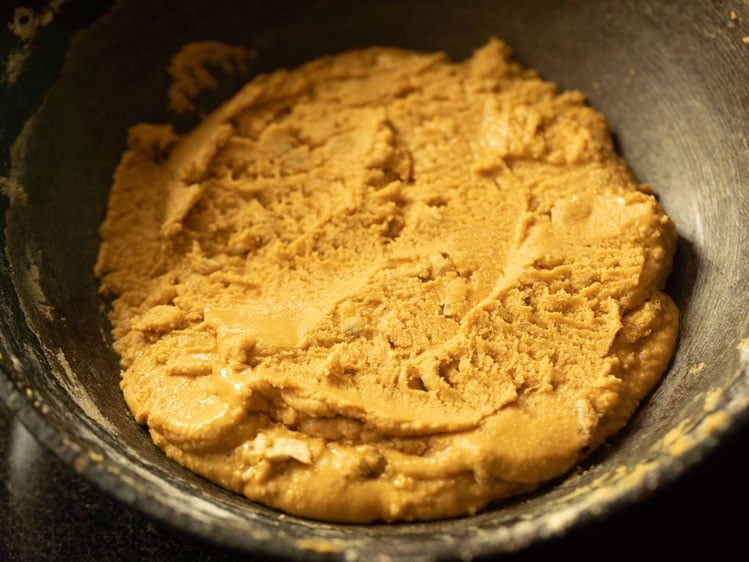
column 386, row 286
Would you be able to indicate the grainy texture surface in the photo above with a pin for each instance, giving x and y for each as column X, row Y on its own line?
column 386, row 286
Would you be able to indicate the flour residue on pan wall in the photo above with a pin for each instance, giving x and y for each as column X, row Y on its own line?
column 25, row 269
column 24, row 25
column 691, row 436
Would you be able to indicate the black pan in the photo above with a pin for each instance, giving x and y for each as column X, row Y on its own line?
column 671, row 77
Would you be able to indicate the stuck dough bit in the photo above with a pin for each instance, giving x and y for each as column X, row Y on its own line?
column 386, row 286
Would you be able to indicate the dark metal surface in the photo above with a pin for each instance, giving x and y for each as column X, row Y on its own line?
column 670, row 77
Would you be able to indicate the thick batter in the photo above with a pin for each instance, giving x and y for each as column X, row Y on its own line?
column 385, row 286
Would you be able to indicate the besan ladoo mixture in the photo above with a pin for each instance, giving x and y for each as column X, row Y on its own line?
column 386, row 286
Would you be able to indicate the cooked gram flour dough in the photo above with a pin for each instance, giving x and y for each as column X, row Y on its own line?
column 386, row 286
